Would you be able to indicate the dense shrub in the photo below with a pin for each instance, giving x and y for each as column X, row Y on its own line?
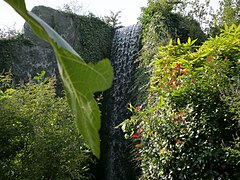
column 189, row 128
column 161, row 19
column 38, row 136
column 160, row 23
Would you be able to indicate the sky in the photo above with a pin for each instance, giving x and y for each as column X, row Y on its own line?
column 130, row 10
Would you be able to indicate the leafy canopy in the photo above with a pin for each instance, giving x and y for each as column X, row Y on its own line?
column 80, row 80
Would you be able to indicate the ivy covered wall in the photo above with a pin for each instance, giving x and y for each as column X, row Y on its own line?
column 27, row 54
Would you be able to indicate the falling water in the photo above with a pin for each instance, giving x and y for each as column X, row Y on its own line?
column 115, row 151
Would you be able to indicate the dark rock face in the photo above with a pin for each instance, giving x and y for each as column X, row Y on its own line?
column 28, row 55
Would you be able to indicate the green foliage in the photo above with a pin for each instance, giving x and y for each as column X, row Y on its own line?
column 113, row 19
column 10, row 42
column 95, row 38
column 160, row 23
column 80, row 80
column 38, row 135
column 160, row 18
column 40, row 77
column 227, row 14
column 189, row 128
column 200, row 10
column 73, row 7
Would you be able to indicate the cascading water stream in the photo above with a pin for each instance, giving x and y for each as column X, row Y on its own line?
column 114, row 147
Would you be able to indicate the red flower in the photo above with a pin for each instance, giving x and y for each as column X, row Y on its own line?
column 139, row 131
column 178, row 65
column 180, row 113
column 176, row 119
column 135, row 136
column 184, row 72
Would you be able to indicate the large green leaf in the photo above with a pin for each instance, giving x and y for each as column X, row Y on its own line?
column 80, row 80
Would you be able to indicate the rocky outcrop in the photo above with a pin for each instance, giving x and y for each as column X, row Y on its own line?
column 27, row 54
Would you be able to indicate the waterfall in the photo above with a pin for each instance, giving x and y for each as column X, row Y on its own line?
column 114, row 148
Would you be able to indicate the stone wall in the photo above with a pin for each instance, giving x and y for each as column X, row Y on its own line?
column 26, row 55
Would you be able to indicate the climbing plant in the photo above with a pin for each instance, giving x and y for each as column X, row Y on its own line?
column 80, row 80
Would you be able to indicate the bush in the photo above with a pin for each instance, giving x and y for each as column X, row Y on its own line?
column 38, row 136
column 190, row 127
column 161, row 22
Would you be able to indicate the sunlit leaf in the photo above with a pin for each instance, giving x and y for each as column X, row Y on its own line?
column 80, row 80
column 189, row 40
column 178, row 41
